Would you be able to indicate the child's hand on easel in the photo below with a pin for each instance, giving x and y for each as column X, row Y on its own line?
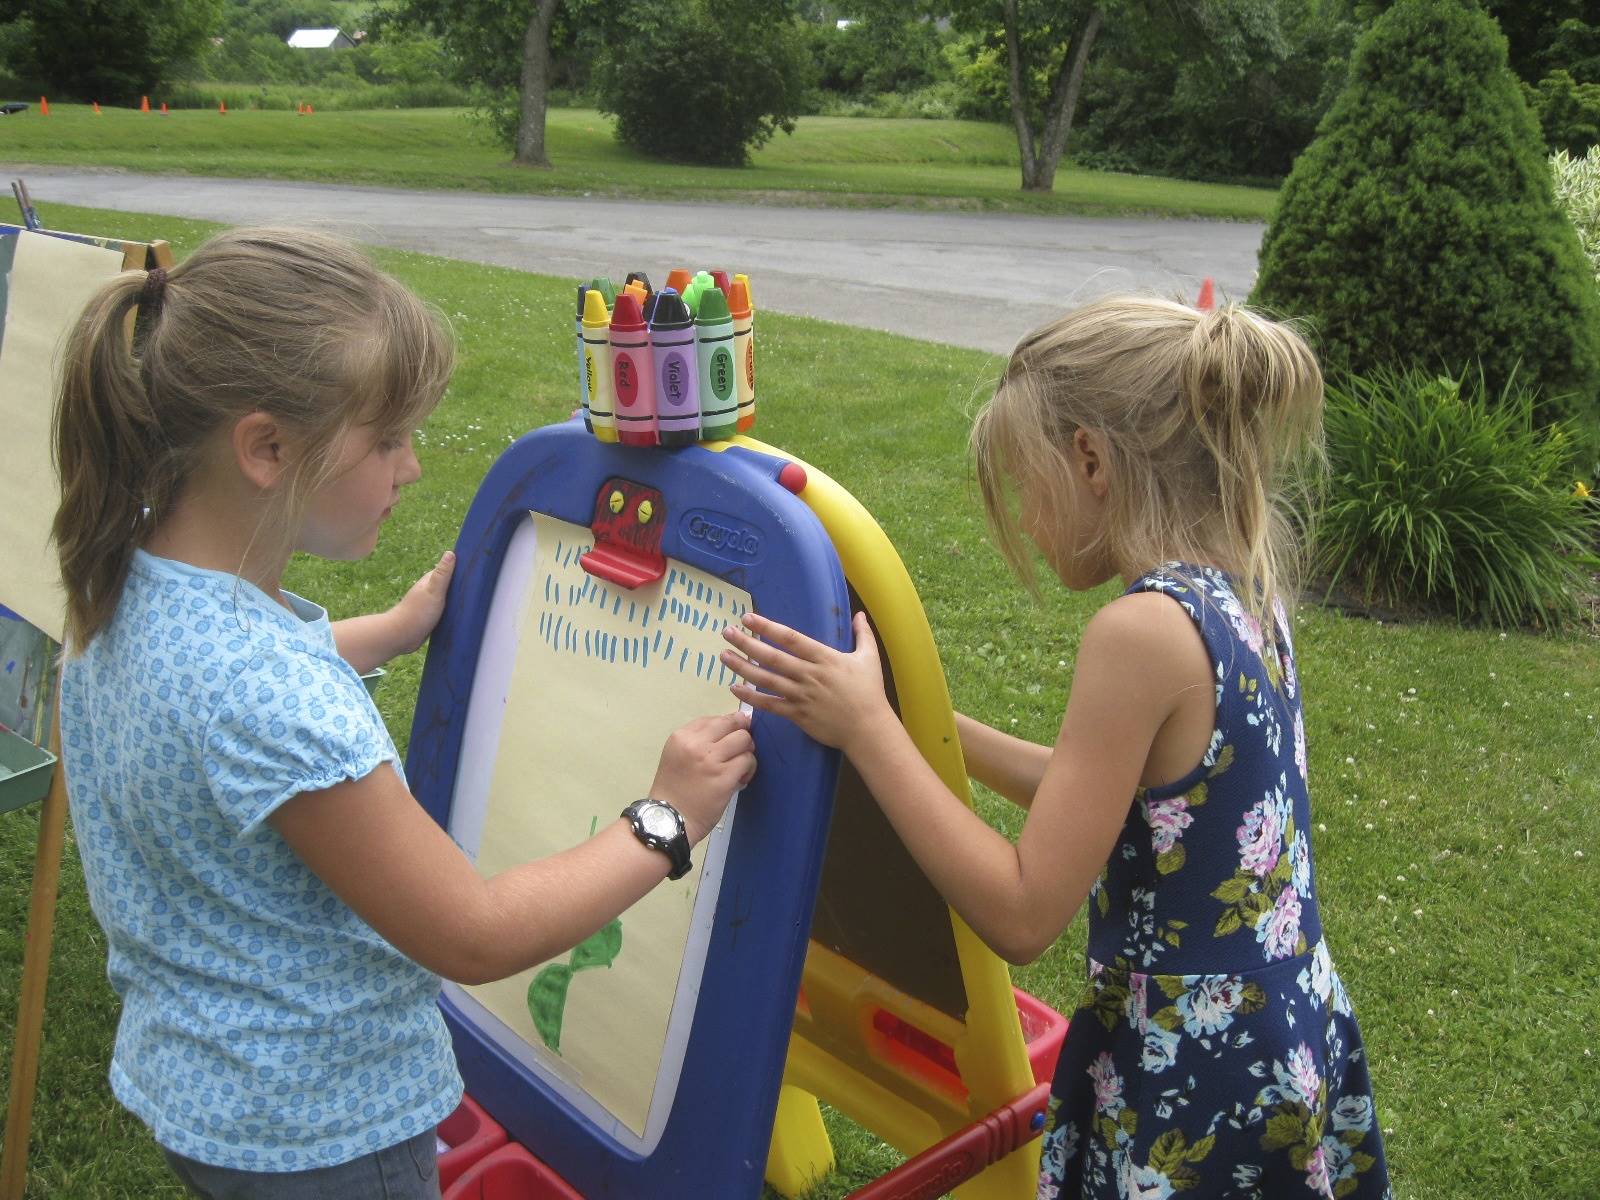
column 837, row 698
column 420, row 608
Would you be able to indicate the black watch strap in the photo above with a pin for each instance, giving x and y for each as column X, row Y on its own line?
column 675, row 845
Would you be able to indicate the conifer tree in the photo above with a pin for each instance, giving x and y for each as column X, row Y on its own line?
column 1420, row 227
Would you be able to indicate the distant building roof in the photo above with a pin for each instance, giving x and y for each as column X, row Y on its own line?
column 319, row 39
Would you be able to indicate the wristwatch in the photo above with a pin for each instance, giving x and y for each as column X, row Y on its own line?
column 658, row 825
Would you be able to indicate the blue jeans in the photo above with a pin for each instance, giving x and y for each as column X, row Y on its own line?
column 408, row 1171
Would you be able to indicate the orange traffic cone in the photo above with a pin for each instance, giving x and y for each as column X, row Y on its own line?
column 299, row 109
column 310, row 111
column 96, row 105
column 44, row 107
column 1208, row 295
column 144, row 104
column 222, row 107
column 163, row 108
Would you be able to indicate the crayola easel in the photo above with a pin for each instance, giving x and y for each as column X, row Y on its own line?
column 581, row 546
column 50, row 276
column 906, row 1022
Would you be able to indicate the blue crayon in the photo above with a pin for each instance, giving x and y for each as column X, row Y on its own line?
column 672, row 345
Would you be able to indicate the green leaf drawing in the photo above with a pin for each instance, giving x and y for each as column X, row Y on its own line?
column 547, row 1001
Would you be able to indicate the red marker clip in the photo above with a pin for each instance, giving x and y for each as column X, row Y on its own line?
column 627, row 525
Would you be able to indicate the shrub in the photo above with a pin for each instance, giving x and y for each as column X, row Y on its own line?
column 1577, row 183
column 1568, row 111
column 703, row 81
column 1420, row 226
column 1443, row 497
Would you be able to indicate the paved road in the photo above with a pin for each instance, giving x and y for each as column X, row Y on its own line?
column 972, row 279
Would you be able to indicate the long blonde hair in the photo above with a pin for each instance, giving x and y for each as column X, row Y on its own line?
column 293, row 324
column 1203, row 415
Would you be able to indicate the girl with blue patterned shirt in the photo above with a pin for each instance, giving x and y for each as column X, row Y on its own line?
column 278, row 909
column 1214, row 1051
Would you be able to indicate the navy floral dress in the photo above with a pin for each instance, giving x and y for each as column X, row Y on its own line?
column 1214, row 1052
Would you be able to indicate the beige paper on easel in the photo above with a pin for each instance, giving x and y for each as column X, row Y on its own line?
column 603, row 675
column 51, row 282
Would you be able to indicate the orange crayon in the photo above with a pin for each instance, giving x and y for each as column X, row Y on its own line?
column 744, row 351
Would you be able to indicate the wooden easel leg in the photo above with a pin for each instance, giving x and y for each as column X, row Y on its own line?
column 35, row 974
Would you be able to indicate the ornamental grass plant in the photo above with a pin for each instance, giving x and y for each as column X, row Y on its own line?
column 1577, row 183
column 1443, row 497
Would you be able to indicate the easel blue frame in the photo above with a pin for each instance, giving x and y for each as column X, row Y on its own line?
column 716, row 1139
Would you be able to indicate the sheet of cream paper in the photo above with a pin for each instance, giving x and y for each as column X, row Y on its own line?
column 51, row 282
column 602, row 676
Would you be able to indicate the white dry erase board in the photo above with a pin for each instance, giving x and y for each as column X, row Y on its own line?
column 579, row 684
column 49, row 281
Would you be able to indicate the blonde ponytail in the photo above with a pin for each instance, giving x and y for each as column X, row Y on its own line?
column 1205, row 416
column 110, row 456
column 1255, row 393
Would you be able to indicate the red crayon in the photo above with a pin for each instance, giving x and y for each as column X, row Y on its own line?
column 719, row 279
column 633, row 371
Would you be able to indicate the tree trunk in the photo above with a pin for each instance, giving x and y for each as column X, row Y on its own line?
column 1041, row 154
column 535, row 85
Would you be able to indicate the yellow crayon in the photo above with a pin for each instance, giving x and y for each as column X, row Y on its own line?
column 597, row 366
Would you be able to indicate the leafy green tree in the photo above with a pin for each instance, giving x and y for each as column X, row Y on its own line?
column 1420, row 227
column 703, row 81
column 110, row 50
column 1048, row 44
column 502, row 49
column 1237, row 108
column 886, row 46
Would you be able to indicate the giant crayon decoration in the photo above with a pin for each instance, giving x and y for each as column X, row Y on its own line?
column 672, row 346
column 671, row 367
column 744, row 352
column 632, row 373
column 713, row 340
column 583, row 372
column 597, row 365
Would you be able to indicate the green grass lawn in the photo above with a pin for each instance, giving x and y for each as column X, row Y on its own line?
column 828, row 160
column 1455, row 773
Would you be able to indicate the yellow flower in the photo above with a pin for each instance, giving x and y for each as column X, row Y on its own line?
column 1581, row 490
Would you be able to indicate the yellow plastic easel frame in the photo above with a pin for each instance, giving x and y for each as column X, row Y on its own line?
column 834, row 1054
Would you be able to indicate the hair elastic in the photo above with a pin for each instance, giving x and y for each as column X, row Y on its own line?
column 155, row 288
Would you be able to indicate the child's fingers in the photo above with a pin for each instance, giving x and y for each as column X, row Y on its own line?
column 720, row 726
column 863, row 631
column 789, row 640
column 767, row 681
column 755, row 699
column 753, row 649
column 438, row 578
column 735, row 744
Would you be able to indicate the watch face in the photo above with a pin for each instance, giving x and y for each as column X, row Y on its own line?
column 658, row 822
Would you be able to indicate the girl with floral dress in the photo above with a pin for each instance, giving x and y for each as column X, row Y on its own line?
column 1214, row 1051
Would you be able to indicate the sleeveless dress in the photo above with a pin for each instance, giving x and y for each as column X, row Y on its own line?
column 1214, row 1052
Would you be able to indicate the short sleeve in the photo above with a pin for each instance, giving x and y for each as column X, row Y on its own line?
column 289, row 722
